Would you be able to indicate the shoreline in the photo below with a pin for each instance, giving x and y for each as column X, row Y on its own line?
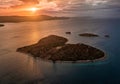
column 79, row 61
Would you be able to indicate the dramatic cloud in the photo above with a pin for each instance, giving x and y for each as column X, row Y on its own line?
column 61, row 3
column 68, row 7
column 9, row 3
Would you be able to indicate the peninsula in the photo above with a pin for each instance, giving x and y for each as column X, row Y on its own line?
column 54, row 48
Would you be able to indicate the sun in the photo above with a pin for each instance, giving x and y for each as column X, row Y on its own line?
column 33, row 9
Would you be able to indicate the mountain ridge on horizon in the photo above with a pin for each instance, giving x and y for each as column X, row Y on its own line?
column 4, row 19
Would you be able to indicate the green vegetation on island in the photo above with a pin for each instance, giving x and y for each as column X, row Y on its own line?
column 54, row 48
column 44, row 45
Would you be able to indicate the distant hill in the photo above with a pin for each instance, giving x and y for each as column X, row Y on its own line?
column 4, row 19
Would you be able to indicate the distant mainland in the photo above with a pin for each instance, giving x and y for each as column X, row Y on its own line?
column 7, row 19
column 54, row 48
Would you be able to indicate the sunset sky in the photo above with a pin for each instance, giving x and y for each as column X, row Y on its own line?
column 96, row 8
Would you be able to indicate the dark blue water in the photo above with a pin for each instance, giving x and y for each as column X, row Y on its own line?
column 18, row 68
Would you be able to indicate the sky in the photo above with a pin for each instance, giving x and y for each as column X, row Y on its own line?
column 93, row 8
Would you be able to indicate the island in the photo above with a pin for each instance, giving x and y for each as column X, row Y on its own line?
column 88, row 35
column 1, row 25
column 55, row 48
column 107, row 36
column 68, row 32
column 16, row 19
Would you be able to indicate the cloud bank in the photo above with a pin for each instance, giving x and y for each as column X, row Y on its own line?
column 70, row 7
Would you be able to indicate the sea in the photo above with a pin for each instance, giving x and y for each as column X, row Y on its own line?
column 20, row 68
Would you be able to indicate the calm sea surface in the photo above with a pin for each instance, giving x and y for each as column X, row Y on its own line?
column 19, row 68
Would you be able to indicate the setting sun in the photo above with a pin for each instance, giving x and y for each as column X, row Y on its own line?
column 33, row 9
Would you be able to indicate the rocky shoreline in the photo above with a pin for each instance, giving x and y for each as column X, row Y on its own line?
column 54, row 48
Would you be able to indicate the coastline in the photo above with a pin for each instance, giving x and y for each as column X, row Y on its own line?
column 79, row 61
